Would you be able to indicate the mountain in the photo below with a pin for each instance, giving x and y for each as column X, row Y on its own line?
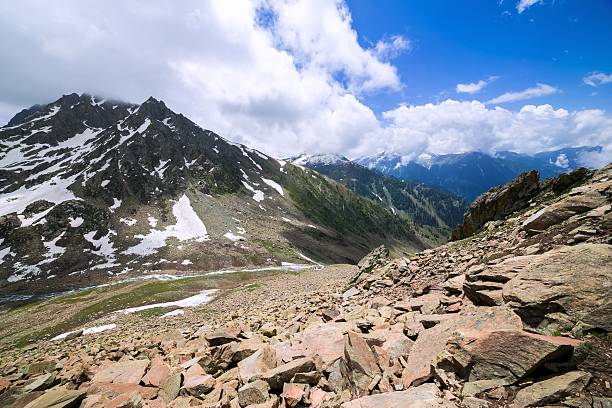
column 92, row 188
column 470, row 174
column 433, row 213
column 516, row 315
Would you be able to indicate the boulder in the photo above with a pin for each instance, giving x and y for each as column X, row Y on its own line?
column 588, row 199
column 276, row 377
column 362, row 363
column 423, row 396
column 122, row 372
column 483, row 284
column 256, row 392
column 552, row 390
column 505, row 355
column 57, row 398
column 158, row 372
column 258, row 363
column 293, row 393
column 246, row 348
column 170, row 388
column 220, row 337
column 326, row 340
column 558, row 289
column 41, row 383
column 377, row 258
column 497, row 203
column 432, row 341
column 198, row 385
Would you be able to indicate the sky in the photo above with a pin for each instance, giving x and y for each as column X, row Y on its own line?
column 353, row 77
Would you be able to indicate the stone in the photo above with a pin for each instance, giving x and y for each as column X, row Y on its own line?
column 220, row 337
column 497, row 203
column 329, row 314
column 198, row 385
column 122, row 372
column 350, row 293
column 506, row 355
column 218, row 359
column 269, row 329
column 170, row 388
column 325, row 340
column 41, row 383
column 473, row 402
column 256, row 392
column 564, row 209
column 423, row 396
column 246, row 348
column 293, row 393
column 111, row 391
column 432, row 341
column 552, row 390
column 276, row 377
column 472, row 388
column 258, row 363
column 376, row 258
column 158, row 372
column 566, row 281
column 362, row 363
column 57, row 398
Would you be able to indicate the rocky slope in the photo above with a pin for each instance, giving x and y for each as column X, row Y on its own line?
column 470, row 174
column 517, row 314
column 433, row 213
column 92, row 188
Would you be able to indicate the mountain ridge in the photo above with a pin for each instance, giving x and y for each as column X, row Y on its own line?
column 471, row 174
column 92, row 188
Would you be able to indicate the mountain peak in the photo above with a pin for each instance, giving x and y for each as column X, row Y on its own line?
column 325, row 159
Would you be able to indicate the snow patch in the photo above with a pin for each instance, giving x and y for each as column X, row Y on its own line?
column 196, row 300
column 188, row 226
column 128, row 221
column 75, row 222
column 258, row 195
column 89, row 330
column 274, row 185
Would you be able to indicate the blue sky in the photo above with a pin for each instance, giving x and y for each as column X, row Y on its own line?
column 554, row 42
column 354, row 77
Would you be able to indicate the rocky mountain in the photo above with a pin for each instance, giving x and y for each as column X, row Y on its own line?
column 515, row 315
column 432, row 213
column 92, row 188
column 470, row 174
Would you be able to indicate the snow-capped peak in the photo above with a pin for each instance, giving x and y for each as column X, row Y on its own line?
column 325, row 159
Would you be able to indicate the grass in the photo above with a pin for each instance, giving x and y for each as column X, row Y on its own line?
column 99, row 302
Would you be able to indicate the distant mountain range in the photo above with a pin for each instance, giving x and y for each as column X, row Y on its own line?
column 432, row 212
column 470, row 174
column 91, row 189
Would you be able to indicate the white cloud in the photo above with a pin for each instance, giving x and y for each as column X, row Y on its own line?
column 453, row 127
column 529, row 93
column 474, row 87
column 597, row 78
column 523, row 5
column 276, row 74
column 397, row 44
column 562, row 161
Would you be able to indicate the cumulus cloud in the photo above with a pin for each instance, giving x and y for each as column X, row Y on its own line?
column 276, row 74
column 523, row 5
column 529, row 93
column 597, row 78
column 283, row 76
column 397, row 44
column 474, row 87
column 453, row 127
